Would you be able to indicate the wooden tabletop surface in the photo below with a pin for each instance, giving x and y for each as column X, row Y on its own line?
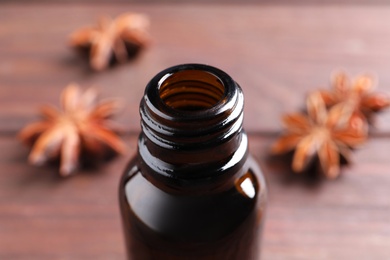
column 277, row 53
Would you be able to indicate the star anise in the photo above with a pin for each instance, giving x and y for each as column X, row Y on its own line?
column 357, row 94
column 326, row 134
column 112, row 38
column 82, row 126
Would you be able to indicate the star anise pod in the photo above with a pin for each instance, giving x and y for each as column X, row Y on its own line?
column 325, row 134
column 82, row 126
column 112, row 38
column 358, row 94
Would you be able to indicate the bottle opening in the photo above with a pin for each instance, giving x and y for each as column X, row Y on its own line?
column 191, row 90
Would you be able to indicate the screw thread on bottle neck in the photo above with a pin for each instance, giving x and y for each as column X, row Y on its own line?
column 191, row 119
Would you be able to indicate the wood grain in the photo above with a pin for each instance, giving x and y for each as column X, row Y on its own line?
column 46, row 217
column 310, row 218
column 276, row 52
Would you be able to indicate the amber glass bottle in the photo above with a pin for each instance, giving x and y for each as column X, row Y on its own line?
column 192, row 191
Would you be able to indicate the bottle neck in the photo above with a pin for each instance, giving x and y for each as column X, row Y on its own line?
column 191, row 120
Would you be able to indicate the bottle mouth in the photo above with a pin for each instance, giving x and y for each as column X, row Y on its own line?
column 191, row 120
column 191, row 90
column 191, row 104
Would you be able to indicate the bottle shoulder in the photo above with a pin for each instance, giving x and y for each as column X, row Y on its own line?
column 186, row 216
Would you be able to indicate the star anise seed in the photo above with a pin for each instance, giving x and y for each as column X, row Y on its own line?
column 81, row 126
column 358, row 94
column 110, row 38
column 321, row 133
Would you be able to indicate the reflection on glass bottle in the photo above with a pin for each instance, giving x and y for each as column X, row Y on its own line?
column 192, row 191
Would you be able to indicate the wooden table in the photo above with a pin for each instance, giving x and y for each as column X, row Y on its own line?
column 277, row 53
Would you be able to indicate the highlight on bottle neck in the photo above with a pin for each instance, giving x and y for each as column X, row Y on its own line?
column 191, row 105
column 191, row 119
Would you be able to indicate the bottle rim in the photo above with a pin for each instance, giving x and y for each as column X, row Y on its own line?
column 160, row 108
column 186, row 148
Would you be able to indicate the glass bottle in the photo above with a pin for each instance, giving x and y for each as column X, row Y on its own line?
column 192, row 191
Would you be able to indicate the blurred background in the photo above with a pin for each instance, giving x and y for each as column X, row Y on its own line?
column 277, row 51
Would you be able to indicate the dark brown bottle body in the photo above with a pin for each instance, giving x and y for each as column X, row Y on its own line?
column 192, row 191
